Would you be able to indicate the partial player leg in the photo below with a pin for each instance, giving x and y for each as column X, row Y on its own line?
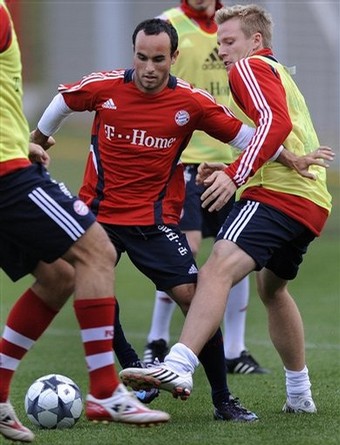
column 159, row 334
column 287, row 334
column 93, row 257
column 238, row 359
column 46, row 296
column 128, row 357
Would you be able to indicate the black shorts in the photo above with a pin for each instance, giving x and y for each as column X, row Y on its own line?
column 160, row 252
column 271, row 238
column 194, row 217
column 40, row 220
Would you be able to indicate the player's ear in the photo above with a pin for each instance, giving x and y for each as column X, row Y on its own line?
column 257, row 41
column 174, row 57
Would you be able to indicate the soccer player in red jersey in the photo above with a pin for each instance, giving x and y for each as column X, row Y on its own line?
column 199, row 64
column 133, row 181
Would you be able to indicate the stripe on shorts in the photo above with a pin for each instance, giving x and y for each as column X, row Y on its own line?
column 241, row 221
column 57, row 213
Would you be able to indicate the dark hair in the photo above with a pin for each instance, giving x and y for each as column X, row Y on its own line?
column 154, row 27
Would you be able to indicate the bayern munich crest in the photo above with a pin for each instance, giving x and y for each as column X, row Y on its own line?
column 182, row 118
column 80, row 207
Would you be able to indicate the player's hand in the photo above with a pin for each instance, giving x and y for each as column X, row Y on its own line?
column 316, row 157
column 38, row 154
column 206, row 169
column 220, row 188
column 37, row 137
column 301, row 163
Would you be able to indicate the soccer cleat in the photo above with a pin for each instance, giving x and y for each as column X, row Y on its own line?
column 11, row 427
column 232, row 410
column 244, row 364
column 157, row 349
column 299, row 404
column 158, row 376
column 123, row 407
column 144, row 396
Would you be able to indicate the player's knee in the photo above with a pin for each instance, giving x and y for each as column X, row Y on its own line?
column 183, row 295
column 54, row 282
column 270, row 295
column 105, row 254
column 95, row 249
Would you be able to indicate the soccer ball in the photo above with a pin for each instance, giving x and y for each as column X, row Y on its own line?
column 53, row 401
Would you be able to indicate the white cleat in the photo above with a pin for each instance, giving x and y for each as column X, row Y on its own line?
column 11, row 427
column 299, row 404
column 123, row 407
column 158, row 376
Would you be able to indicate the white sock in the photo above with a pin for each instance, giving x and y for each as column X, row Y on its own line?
column 298, row 383
column 181, row 359
column 235, row 319
column 161, row 317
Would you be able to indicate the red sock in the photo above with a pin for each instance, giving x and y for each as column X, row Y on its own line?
column 27, row 320
column 96, row 321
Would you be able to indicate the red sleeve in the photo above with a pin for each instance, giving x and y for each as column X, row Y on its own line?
column 216, row 120
column 258, row 90
column 81, row 95
column 5, row 29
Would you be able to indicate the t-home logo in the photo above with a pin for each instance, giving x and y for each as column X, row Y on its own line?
column 139, row 137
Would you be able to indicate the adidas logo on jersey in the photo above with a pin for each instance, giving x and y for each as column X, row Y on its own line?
column 213, row 62
column 109, row 104
column 193, row 270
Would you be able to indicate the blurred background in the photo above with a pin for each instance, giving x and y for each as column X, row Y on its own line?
column 63, row 40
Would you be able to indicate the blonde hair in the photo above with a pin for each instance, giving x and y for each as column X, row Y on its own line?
column 253, row 19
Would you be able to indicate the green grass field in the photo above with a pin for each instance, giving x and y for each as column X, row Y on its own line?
column 317, row 292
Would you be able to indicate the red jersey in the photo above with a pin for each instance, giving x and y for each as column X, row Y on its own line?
column 132, row 175
column 258, row 90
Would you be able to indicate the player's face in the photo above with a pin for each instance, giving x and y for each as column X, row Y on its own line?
column 152, row 62
column 233, row 44
column 203, row 5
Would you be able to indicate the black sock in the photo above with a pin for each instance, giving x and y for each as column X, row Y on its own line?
column 125, row 353
column 213, row 361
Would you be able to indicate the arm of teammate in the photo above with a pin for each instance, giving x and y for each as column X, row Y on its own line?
column 273, row 125
column 220, row 187
column 284, row 156
column 287, row 158
column 50, row 122
column 267, row 109
column 301, row 163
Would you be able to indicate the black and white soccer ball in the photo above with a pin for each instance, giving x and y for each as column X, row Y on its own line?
column 53, row 401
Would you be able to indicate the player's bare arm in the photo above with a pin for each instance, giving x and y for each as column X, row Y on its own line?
column 287, row 158
column 301, row 163
column 220, row 187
